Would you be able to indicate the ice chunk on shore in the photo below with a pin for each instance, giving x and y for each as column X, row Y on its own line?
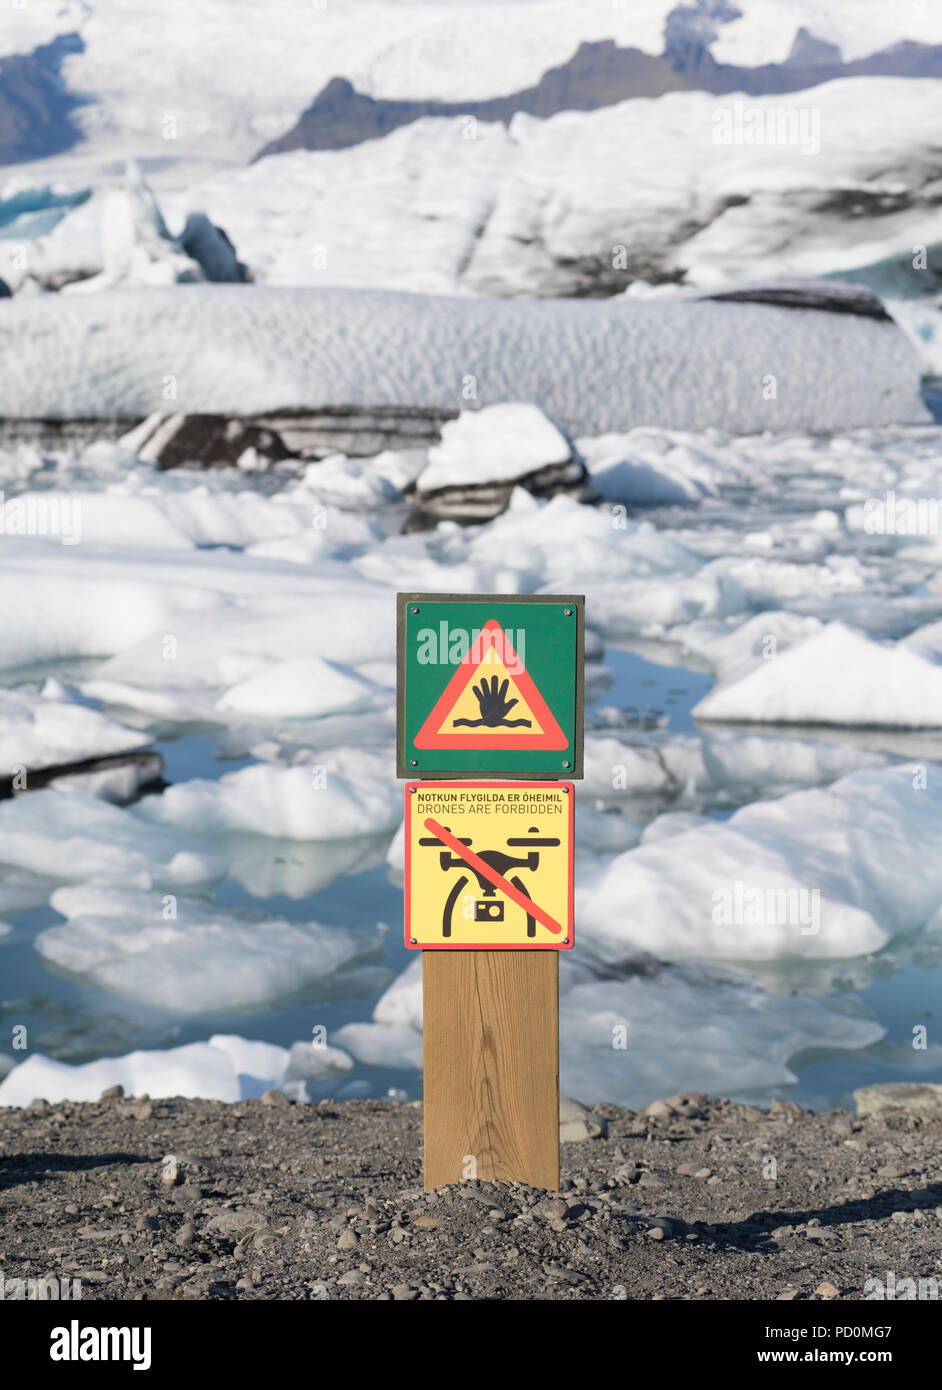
column 145, row 947
column 227, row 1067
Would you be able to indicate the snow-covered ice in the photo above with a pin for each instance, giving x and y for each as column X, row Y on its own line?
column 251, row 349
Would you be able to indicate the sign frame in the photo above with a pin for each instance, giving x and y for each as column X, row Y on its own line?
column 411, row 768
column 565, row 789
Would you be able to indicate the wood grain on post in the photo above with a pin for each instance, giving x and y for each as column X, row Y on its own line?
column 491, row 1067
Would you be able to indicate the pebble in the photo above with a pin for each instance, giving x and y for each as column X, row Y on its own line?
column 404, row 1293
column 552, row 1209
column 347, row 1240
column 113, row 1093
column 185, row 1234
column 275, row 1097
column 826, row 1290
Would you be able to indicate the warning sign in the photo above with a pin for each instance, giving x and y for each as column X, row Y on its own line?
column 489, row 865
column 489, row 685
column 491, row 695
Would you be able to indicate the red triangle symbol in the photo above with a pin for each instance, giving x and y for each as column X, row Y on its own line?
column 504, row 710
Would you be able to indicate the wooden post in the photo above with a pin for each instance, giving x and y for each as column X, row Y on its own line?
column 491, row 1067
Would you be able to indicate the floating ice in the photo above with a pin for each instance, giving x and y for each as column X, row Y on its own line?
column 303, row 689
column 823, row 874
column 154, row 948
column 619, row 1039
column 75, row 835
column 689, row 362
column 297, row 803
column 836, row 676
column 39, row 730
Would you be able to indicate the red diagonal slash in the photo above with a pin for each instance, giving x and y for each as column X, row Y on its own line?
column 476, row 863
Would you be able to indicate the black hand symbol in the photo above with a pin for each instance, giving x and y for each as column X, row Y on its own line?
column 494, row 705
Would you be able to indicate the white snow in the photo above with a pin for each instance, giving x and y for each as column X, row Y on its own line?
column 244, row 349
column 766, row 28
column 709, row 188
column 146, row 947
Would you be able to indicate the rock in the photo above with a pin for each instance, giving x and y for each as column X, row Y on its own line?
column 922, row 1096
column 826, row 1290
column 187, row 1192
column 429, row 1223
column 229, row 1223
column 660, row 1110
column 352, row 1276
column 185, row 1235
column 656, row 1233
column 211, row 248
column 347, row 1240
column 552, row 1209
column 474, row 1194
column 276, row 1098
column 212, row 441
column 404, row 1293
column 894, row 1170
column 570, row 1276
column 113, row 1093
column 576, row 1122
column 245, row 1283
column 484, row 454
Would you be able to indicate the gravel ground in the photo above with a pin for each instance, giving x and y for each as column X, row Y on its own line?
column 695, row 1198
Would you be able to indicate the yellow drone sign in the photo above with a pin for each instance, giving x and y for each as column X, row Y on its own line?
column 489, row 866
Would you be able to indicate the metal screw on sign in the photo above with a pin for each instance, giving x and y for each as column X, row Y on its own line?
column 415, row 610
column 412, row 940
column 566, row 763
column 414, row 762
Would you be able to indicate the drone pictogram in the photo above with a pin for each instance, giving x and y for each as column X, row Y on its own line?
column 490, row 867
